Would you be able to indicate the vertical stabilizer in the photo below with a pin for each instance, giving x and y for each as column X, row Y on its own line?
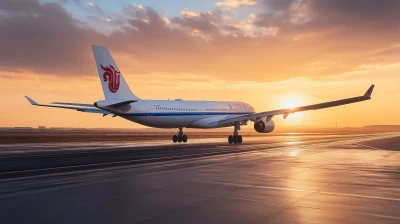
column 112, row 80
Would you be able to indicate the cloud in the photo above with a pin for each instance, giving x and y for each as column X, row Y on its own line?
column 137, row 11
column 94, row 8
column 342, row 25
column 67, row 1
column 327, row 14
column 204, row 22
column 42, row 38
column 236, row 3
column 287, row 39
column 189, row 13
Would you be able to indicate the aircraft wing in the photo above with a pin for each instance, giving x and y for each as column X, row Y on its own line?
column 88, row 108
column 287, row 111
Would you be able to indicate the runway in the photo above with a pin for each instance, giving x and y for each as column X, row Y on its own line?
column 281, row 179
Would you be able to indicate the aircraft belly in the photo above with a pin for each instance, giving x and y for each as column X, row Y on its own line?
column 210, row 122
column 166, row 121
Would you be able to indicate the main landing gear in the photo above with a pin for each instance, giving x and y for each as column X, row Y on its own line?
column 235, row 138
column 180, row 137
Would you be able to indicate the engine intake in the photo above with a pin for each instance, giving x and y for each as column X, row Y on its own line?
column 263, row 126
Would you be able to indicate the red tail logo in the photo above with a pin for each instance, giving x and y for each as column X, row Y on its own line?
column 112, row 76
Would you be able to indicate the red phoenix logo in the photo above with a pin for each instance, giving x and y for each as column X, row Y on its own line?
column 112, row 76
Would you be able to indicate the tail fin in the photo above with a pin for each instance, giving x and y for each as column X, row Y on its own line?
column 112, row 81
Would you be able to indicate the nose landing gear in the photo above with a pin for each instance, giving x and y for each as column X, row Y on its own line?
column 180, row 137
column 235, row 138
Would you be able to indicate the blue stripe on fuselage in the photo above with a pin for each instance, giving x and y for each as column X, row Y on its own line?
column 182, row 114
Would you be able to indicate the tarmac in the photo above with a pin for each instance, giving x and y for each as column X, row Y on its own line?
column 279, row 179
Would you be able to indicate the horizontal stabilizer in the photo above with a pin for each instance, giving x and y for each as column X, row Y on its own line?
column 110, row 103
column 74, row 104
column 80, row 108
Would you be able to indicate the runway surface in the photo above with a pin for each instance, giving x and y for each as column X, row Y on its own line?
column 282, row 179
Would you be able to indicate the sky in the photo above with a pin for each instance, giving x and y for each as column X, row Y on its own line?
column 272, row 54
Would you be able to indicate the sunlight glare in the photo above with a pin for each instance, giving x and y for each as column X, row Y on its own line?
column 293, row 153
column 292, row 101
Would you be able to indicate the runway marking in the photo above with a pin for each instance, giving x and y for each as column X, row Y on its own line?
column 368, row 146
column 213, row 154
column 117, row 162
column 380, row 216
column 287, row 208
column 221, row 153
column 361, row 213
column 304, row 206
column 303, row 146
column 360, row 196
column 301, row 190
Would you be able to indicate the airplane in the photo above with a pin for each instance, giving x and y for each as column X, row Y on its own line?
column 121, row 101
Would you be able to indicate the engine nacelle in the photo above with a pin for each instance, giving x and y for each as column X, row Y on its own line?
column 264, row 126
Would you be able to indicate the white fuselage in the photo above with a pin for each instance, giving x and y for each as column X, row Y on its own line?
column 182, row 113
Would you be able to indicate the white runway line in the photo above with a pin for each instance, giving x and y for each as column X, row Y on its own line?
column 300, row 190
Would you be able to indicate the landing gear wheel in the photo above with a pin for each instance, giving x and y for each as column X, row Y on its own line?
column 180, row 138
column 184, row 138
column 235, row 139
column 174, row 138
column 239, row 139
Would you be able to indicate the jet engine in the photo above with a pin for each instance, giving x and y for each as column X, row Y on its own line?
column 264, row 125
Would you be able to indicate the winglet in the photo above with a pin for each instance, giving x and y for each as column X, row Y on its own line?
column 369, row 91
column 31, row 101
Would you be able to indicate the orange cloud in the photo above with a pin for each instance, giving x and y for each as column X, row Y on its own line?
column 321, row 50
column 236, row 3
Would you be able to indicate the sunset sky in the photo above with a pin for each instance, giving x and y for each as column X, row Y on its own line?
column 272, row 54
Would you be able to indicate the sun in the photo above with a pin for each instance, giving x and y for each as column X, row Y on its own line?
column 292, row 101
